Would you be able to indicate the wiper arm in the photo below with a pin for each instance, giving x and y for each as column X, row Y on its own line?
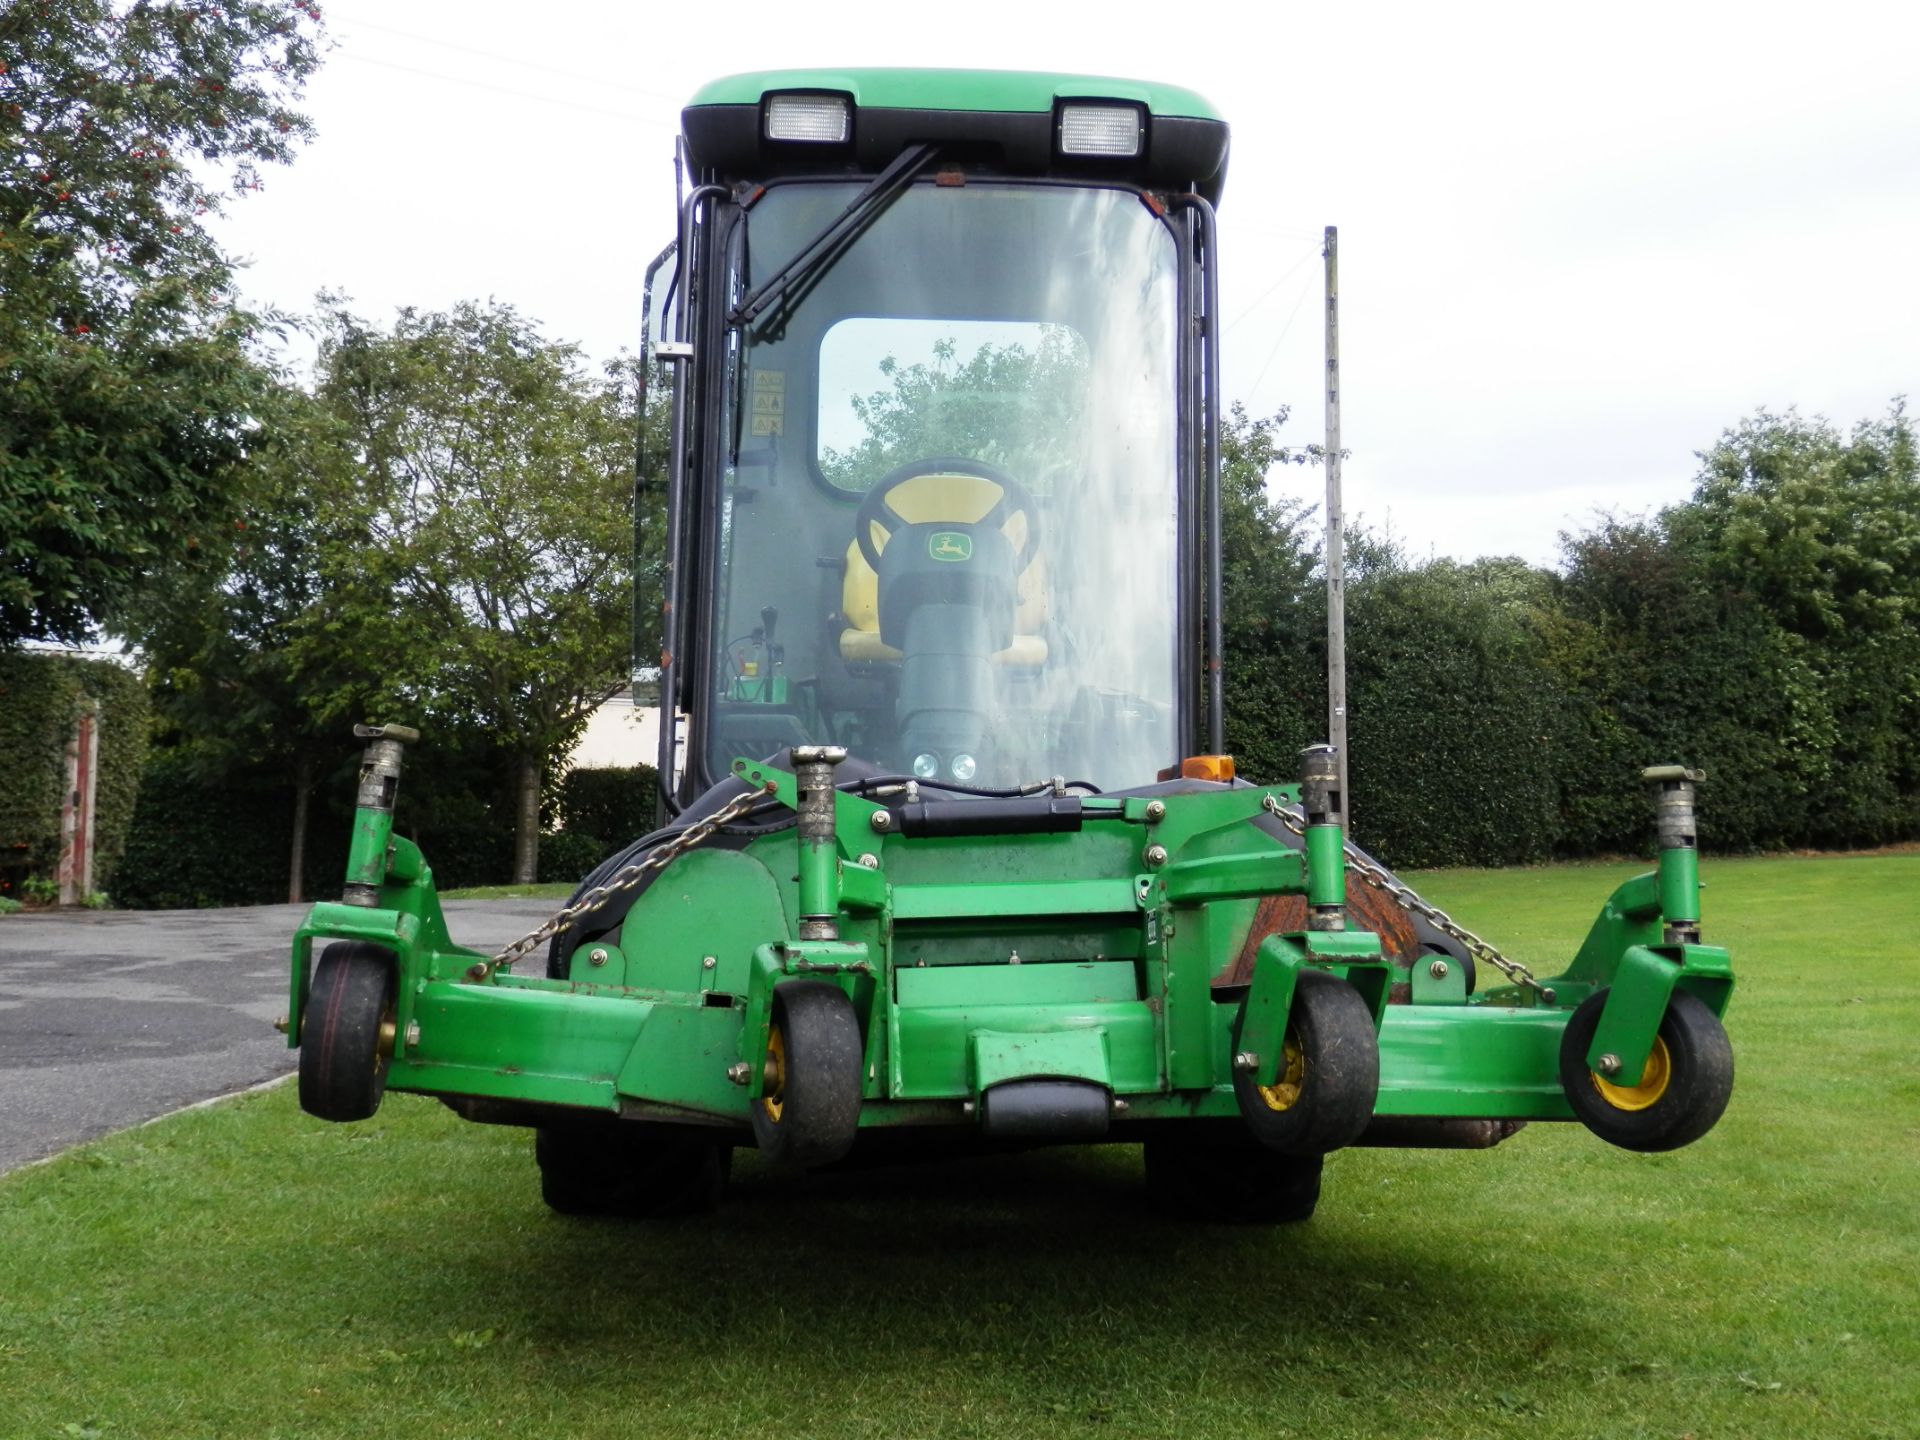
column 845, row 227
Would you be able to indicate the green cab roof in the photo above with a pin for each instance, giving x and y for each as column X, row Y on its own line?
column 1008, row 91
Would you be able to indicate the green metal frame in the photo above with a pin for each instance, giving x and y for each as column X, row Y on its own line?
column 1126, row 925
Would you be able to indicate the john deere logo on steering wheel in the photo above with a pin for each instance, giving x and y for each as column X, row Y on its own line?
column 950, row 545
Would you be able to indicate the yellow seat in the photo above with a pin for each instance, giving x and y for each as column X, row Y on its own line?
column 927, row 499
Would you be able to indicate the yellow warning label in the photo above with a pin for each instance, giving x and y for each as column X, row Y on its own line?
column 769, row 402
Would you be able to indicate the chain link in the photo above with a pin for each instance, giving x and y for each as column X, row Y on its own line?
column 1405, row 897
column 628, row 877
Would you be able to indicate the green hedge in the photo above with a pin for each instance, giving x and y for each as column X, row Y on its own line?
column 202, row 839
column 1454, row 719
column 616, row 804
column 600, row 811
column 208, row 836
column 41, row 697
column 566, row 856
column 1767, row 630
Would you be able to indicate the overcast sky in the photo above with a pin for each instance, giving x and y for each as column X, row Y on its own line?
column 1576, row 242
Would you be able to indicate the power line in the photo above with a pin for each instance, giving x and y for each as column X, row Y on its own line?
column 1253, row 389
column 509, row 90
column 674, row 100
column 1273, row 287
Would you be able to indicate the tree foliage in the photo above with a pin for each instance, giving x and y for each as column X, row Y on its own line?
column 475, row 536
column 1764, row 629
column 1008, row 405
column 127, row 391
column 237, row 686
column 1274, row 617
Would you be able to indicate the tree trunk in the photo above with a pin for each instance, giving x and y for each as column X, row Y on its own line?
column 526, row 837
column 297, row 862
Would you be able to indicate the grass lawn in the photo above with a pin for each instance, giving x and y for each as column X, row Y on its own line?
column 555, row 891
column 244, row 1271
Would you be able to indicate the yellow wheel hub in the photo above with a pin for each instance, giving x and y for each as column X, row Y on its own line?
column 773, row 1098
column 1653, row 1082
column 1284, row 1093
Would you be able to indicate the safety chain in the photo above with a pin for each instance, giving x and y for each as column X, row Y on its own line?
column 628, row 877
column 1407, row 899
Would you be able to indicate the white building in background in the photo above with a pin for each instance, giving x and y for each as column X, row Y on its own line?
column 618, row 734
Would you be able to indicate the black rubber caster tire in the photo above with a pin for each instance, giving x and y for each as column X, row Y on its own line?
column 346, row 1032
column 630, row 1171
column 1234, row 1183
column 810, row 1112
column 1330, row 1076
column 1682, row 1095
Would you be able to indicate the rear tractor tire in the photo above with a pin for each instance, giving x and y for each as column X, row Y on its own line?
column 1329, row 1074
column 1682, row 1093
column 631, row 1171
column 1234, row 1182
column 809, row 1113
column 346, row 1032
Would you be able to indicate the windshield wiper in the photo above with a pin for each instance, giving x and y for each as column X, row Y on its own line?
column 842, row 231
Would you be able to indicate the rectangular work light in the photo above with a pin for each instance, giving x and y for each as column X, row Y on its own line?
column 1112, row 130
column 820, row 119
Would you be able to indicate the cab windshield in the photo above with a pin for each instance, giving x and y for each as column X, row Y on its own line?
column 946, row 534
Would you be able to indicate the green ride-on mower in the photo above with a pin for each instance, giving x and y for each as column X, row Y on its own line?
column 949, row 855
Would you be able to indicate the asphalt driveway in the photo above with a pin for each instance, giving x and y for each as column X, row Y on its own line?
column 108, row 1018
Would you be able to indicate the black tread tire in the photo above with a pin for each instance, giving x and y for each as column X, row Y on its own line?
column 343, row 1070
column 1234, row 1183
column 631, row 1171
column 820, row 1098
column 1699, row 1085
column 1341, row 1081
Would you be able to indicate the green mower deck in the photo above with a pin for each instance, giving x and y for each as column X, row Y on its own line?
column 972, row 965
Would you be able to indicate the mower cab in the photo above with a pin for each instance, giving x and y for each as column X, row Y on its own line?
column 949, row 855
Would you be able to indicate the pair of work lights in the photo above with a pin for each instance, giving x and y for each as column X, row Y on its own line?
column 1102, row 130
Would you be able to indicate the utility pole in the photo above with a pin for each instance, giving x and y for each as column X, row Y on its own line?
column 1336, row 536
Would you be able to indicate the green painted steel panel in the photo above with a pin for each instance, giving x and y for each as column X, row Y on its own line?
column 991, row 90
column 1233, row 877
column 674, row 926
column 525, row 1030
column 433, row 1079
column 1051, row 897
column 1471, row 1061
column 1053, row 984
column 1680, row 884
column 681, row 1058
column 1186, row 979
column 1631, row 916
column 933, row 1057
column 1048, row 1055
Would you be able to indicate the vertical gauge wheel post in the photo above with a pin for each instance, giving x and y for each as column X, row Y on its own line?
column 1327, row 1077
column 347, row 1032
